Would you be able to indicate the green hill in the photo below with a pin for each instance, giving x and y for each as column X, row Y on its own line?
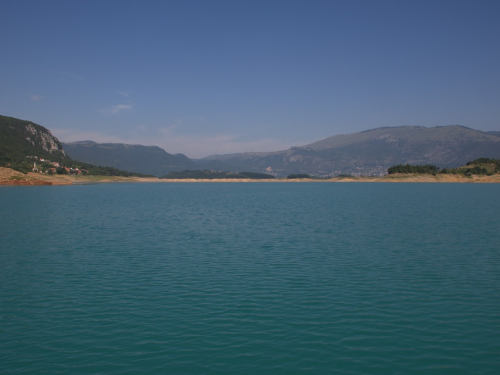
column 21, row 138
column 481, row 166
column 24, row 143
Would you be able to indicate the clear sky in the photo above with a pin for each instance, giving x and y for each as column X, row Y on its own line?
column 204, row 77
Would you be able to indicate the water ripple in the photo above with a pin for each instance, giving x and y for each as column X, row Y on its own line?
column 246, row 278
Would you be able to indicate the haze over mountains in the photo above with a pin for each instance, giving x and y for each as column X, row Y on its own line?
column 134, row 158
column 370, row 152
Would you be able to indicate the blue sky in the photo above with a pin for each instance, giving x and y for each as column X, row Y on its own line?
column 204, row 77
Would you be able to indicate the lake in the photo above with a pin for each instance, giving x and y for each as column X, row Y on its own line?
column 250, row 278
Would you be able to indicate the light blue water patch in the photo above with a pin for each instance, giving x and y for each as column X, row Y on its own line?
column 270, row 278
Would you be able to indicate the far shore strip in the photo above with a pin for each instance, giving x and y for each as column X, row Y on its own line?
column 10, row 177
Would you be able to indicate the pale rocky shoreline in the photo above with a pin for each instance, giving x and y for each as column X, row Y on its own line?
column 10, row 177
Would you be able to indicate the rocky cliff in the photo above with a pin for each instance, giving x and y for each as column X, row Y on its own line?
column 20, row 139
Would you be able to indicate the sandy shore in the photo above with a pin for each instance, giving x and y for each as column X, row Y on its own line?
column 14, row 178
column 388, row 179
column 11, row 177
column 443, row 178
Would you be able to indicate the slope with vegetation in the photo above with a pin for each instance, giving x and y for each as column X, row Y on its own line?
column 480, row 166
column 20, row 139
column 25, row 145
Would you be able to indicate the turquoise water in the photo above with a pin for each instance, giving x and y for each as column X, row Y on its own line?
column 261, row 278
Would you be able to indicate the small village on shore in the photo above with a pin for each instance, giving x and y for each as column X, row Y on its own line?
column 53, row 167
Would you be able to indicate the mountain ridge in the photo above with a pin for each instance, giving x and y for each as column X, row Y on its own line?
column 368, row 153
column 372, row 151
column 135, row 158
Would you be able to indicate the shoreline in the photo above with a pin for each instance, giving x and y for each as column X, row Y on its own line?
column 9, row 177
column 385, row 179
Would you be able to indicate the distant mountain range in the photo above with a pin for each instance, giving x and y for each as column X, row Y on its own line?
column 371, row 152
column 134, row 158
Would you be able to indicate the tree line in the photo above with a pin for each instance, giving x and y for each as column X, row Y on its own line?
column 481, row 166
column 215, row 175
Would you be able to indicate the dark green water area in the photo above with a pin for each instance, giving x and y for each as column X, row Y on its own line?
column 250, row 278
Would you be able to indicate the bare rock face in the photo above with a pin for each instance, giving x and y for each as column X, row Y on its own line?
column 44, row 138
column 22, row 140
